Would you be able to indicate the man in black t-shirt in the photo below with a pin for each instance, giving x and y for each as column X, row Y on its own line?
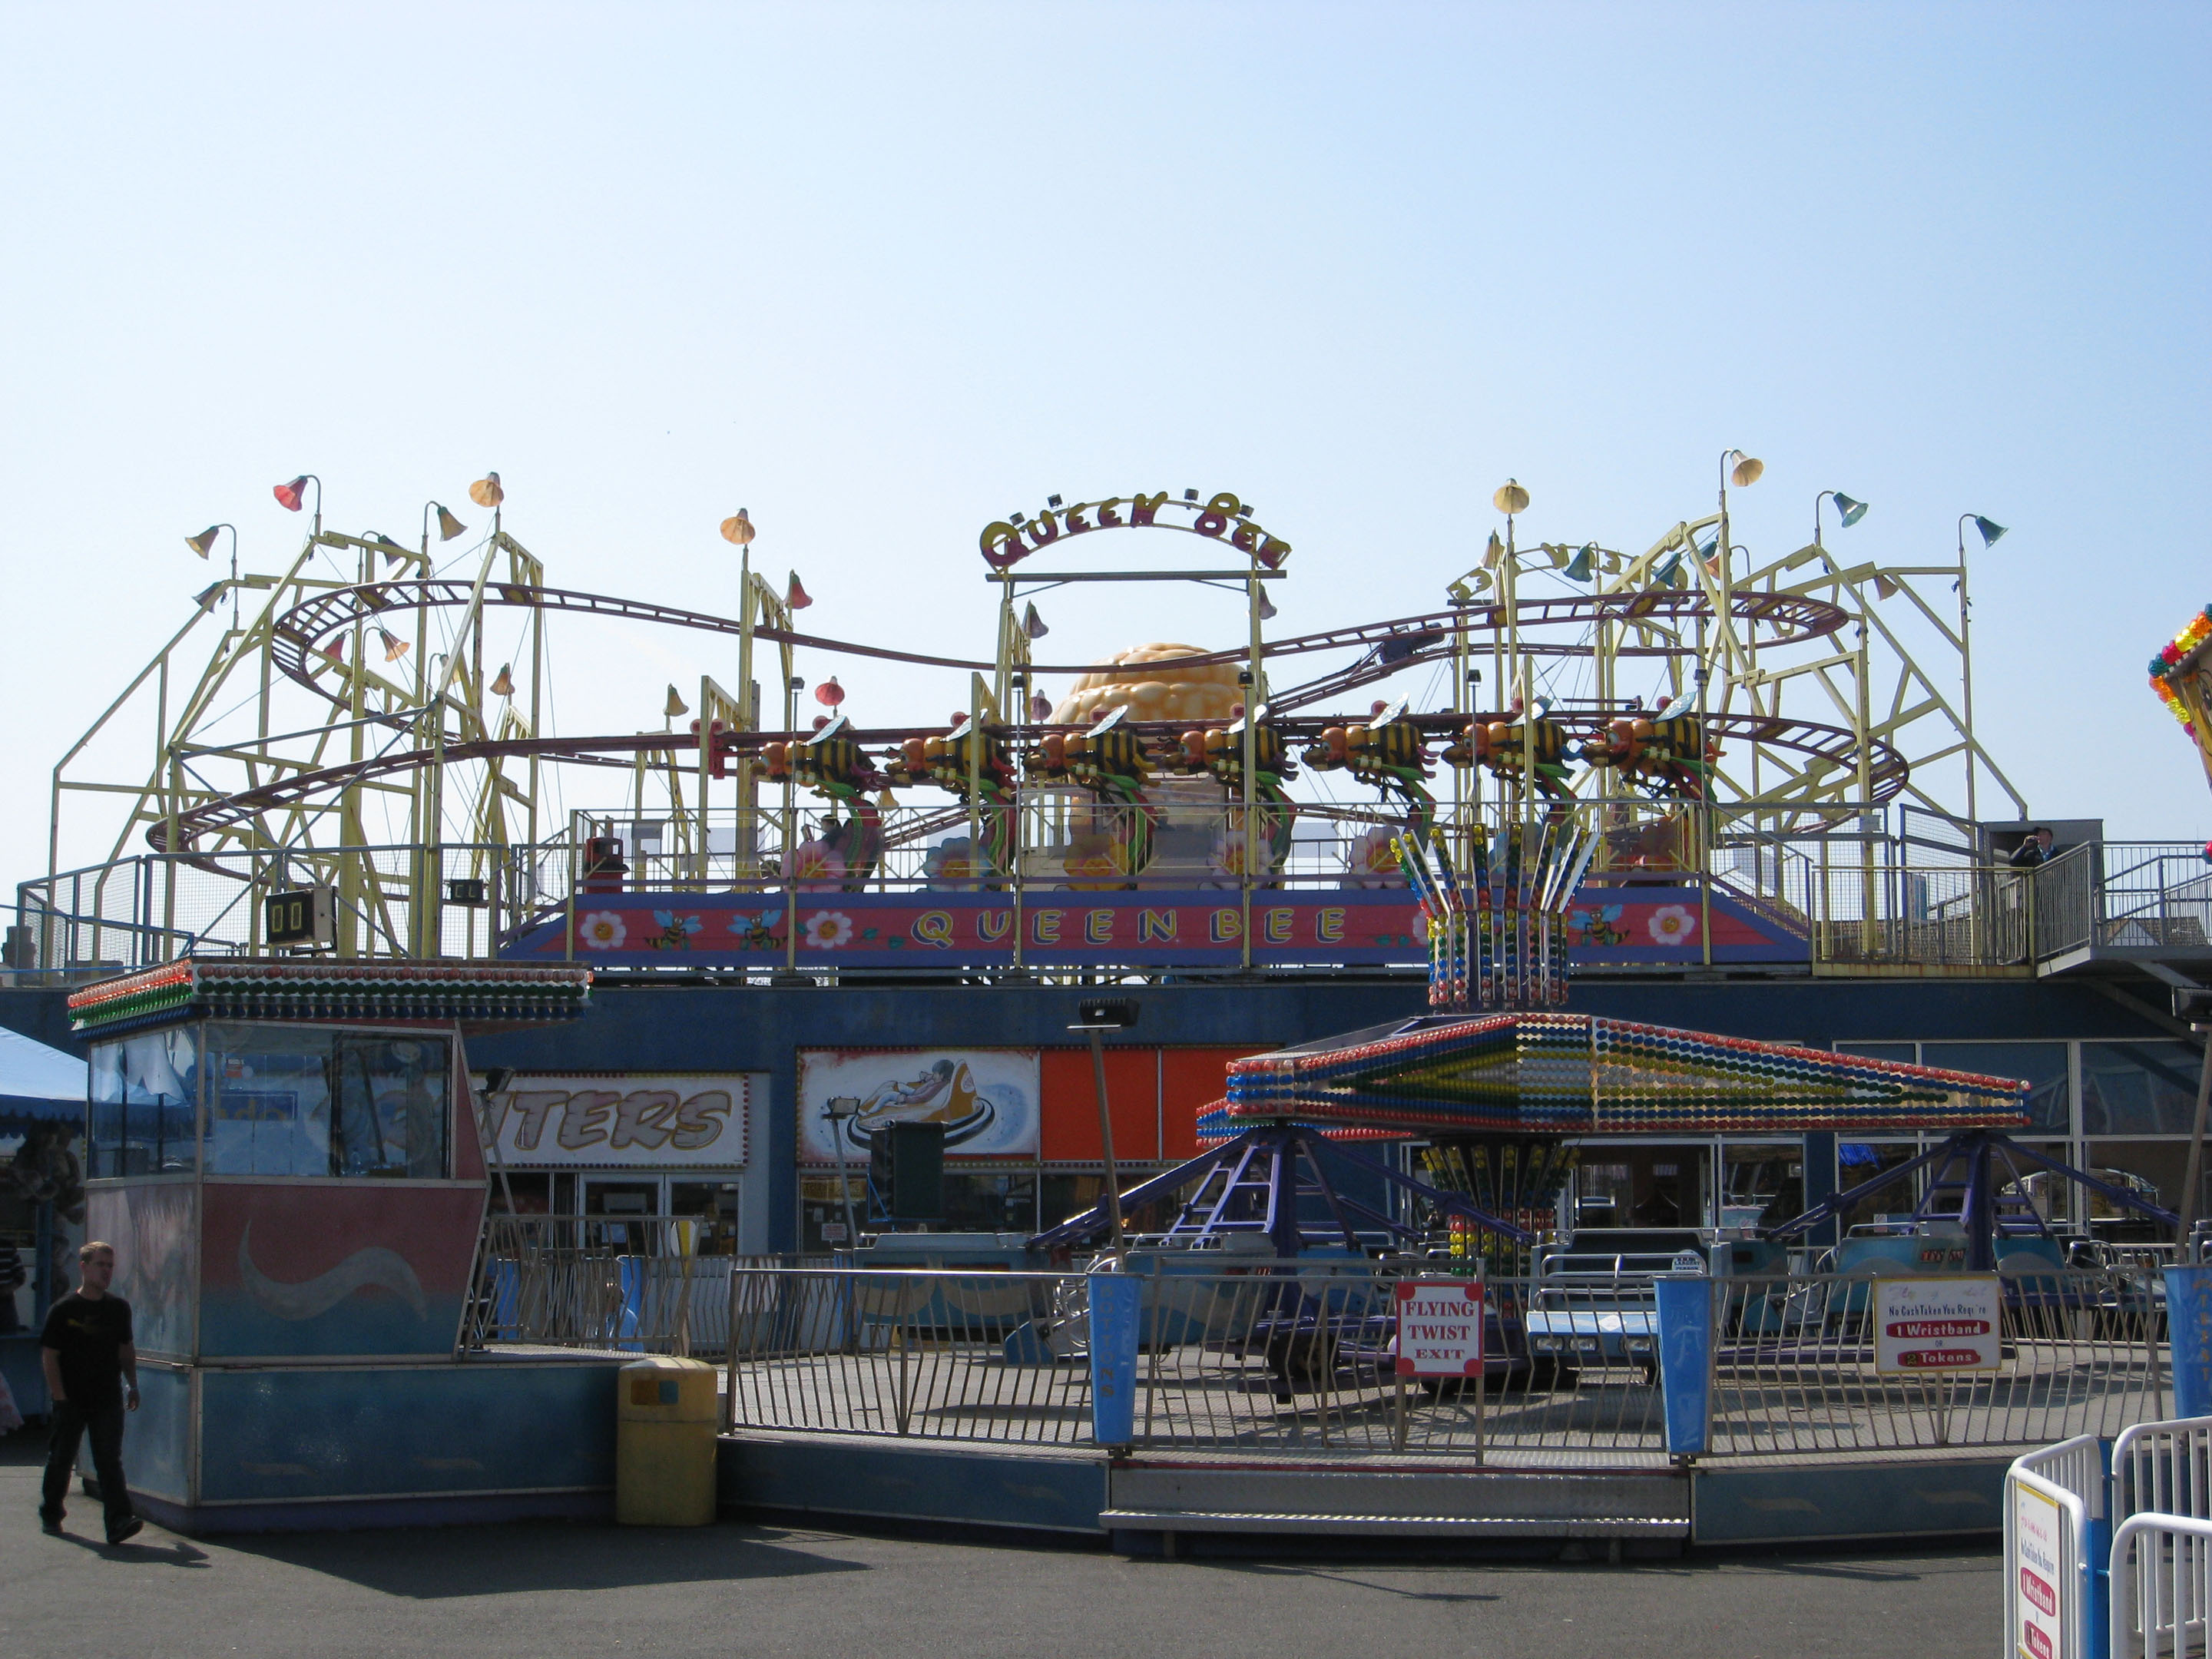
column 87, row 1355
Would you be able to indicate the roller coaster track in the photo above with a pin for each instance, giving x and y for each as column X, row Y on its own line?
column 1830, row 748
column 1390, row 646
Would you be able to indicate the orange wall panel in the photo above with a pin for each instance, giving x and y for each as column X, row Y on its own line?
column 1070, row 1127
column 1191, row 1079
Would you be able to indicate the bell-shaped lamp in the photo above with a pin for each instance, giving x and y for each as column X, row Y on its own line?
column 1989, row 531
column 1032, row 624
column 1849, row 511
column 1578, row 567
column 675, row 705
column 205, row 540
column 448, row 525
column 830, row 694
column 1267, row 607
column 291, row 496
column 1040, row 709
column 394, row 646
column 1509, row 497
column 1747, row 472
column 503, row 684
column 739, row 529
column 486, row 492
column 795, row 596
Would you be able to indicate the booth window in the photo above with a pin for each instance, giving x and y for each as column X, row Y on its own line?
column 291, row 1101
column 268, row 1101
column 143, row 1091
column 391, row 1106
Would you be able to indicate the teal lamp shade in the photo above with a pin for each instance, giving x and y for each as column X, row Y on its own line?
column 1852, row 511
column 1664, row 576
column 1578, row 568
column 1989, row 531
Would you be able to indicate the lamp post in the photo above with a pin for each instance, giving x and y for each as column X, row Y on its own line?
column 1747, row 472
column 842, row 1109
column 1990, row 532
column 203, row 542
column 1094, row 1018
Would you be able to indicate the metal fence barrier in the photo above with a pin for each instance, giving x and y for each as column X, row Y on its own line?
column 1302, row 1360
column 1794, row 1367
column 627, row 1283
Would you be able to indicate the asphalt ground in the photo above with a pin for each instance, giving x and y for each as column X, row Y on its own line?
column 550, row 1591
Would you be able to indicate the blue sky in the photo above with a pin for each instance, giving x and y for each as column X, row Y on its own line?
column 883, row 274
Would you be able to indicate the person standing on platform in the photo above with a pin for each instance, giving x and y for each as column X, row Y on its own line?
column 87, row 1352
column 2035, row 850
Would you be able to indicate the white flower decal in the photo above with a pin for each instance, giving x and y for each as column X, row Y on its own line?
column 825, row 930
column 1671, row 924
column 602, row 930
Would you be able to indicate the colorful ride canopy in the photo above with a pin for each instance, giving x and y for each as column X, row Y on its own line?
column 1578, row 1074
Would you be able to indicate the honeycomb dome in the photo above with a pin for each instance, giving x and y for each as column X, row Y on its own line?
column 1153, row 686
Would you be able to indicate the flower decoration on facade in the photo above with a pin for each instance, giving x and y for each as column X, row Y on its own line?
column 1093, row 861
column 817, row 867
column 2162, row 665
column 1672, row 924
column 952, row 863
column 601, row 930
column 825, row 930
column 1227, row 857
column 1372, row 859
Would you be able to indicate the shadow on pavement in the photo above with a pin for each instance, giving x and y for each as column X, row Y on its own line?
column 431, row 1564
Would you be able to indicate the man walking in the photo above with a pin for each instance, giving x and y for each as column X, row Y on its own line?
column 87, row 1352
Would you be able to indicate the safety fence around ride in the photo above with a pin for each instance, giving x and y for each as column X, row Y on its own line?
column 1303, row 1360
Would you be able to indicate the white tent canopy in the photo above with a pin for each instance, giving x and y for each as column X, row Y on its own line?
column 31, row 1073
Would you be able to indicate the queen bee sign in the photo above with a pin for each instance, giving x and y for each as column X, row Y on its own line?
column 1439, row 1327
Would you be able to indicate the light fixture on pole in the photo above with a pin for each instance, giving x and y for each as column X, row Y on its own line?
column 675, row 705
column 448, row 527
column 204, row 543
column 394, row 646
column 795, row 597
column 1848, row 512
column 293, row 495
column 1989, row 531
column 502, row 684
column 1032, row 624
column 739, row 529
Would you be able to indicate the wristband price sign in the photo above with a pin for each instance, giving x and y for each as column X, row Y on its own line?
column 1439, row 1327
column 1926, row 1326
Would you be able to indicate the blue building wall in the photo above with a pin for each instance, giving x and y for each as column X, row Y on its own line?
column 677, row 1026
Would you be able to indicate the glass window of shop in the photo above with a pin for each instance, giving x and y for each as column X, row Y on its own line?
column 1762, row 1183
column 145, row 1094
column 2043, row 1065
column 1863, row 1163
column 2139, row 1088
column 1645, row 1184
column 2153, row 1169
column 990, row 1201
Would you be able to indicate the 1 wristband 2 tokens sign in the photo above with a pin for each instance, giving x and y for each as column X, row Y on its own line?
column 1439, row 1327
column 1926, row 1326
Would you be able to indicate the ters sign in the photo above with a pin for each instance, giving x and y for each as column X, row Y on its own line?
column 1439, row 1327
column 1928, row 1325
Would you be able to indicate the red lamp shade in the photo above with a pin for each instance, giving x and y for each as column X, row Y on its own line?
column 830, row 694
column 795, row 597
column 291, row 496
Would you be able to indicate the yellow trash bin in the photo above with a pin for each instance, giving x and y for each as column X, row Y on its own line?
column 664, row 1423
